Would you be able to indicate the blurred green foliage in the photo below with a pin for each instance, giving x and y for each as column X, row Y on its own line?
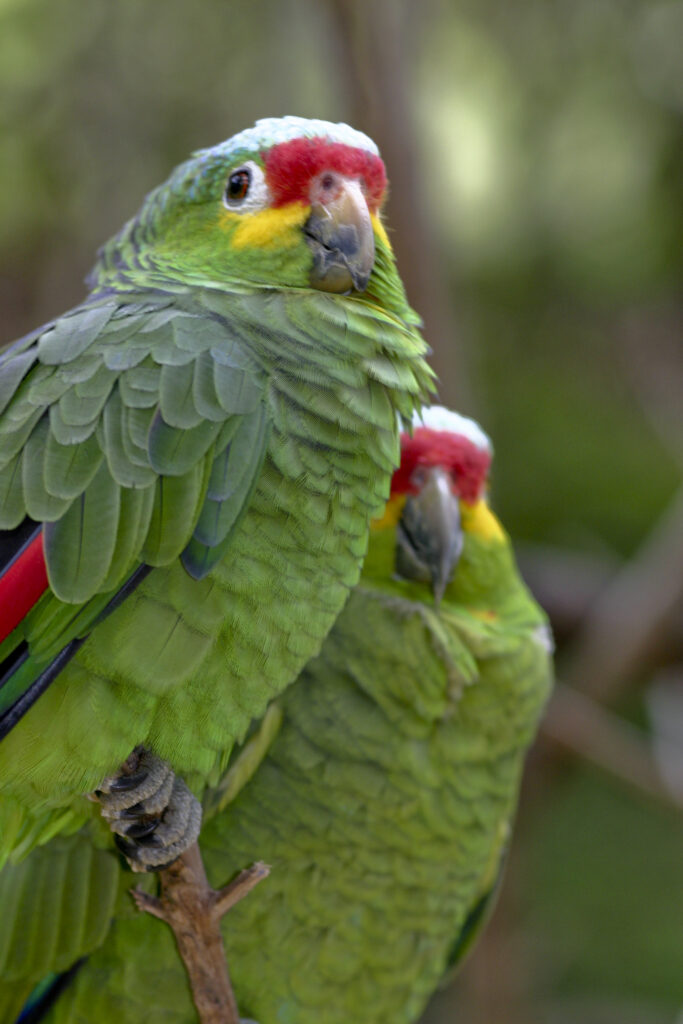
column 554, row 133
column 549, row 142
column 634, row 846
column 595, row 915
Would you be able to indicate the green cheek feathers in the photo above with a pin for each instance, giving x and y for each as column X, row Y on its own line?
column 211, row 242
column 268, row 246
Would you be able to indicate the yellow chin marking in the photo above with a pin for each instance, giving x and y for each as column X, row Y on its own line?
column 277, row 228
column 268, row 229
column 380, row 230
column 485, row 614
column 392, row 513
column 479, row 520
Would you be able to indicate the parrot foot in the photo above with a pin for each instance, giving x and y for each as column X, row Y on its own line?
column 153, row 814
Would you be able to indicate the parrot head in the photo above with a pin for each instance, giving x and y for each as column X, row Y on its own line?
column 289, row 203
column 437, row 500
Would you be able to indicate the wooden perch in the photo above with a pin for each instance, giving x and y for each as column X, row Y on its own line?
column 629, row 621
column 194, row 910
column 588, row 729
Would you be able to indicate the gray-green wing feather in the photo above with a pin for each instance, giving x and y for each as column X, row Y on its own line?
column 57, row 906
column 136, row 432
column 472, row 927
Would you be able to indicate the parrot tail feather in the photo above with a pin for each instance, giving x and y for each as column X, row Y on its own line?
column 21, row 683
column 46, row 994
column 23, row 576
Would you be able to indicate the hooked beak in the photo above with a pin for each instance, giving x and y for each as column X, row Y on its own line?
column 339, row 233
column 429, row 536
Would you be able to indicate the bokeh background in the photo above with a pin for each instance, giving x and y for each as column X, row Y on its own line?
column 534, row 150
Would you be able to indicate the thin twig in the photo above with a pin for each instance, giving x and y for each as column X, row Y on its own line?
column 193, row 910
column 580, row 724
column 648, row 345
column 565, row 582
column 236, row 890
column 634, row 613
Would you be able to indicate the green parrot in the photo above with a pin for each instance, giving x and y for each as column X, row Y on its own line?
column 189, row 463
column 381, row 788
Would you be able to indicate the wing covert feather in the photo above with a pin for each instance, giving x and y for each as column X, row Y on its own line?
column 116, row 419
column 117, row 399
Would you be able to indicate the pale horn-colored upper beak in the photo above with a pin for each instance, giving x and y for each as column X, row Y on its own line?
column 339, row 233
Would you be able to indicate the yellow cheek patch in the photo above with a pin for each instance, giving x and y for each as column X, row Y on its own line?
column 267, row 229
column 484, row 614
column 392, row 513
column 480, row 520
column 380, row 231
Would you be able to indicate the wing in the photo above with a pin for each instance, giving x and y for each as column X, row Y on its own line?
column 473, row 925
column 132, row 434
column 58, row 905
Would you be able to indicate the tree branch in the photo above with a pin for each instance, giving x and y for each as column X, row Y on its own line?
column 580, row 724
column 193, row 910
column 630, row 618
column 566, row 583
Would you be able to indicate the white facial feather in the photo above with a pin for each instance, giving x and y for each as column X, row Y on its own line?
column 438, row 417
column 271, row 131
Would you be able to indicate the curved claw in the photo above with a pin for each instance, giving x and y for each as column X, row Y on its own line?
column 125, row 783
column 134, row 811
column 131, row 852
column 143, row 831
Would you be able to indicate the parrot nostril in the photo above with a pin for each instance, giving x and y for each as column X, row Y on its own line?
column 326, row 188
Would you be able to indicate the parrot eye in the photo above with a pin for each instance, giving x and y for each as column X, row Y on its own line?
column 238, row 185
column 246, row 189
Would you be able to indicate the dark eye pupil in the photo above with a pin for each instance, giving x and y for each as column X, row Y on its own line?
column 238, row 184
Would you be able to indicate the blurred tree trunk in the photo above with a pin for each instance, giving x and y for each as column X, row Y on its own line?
column 378, row 43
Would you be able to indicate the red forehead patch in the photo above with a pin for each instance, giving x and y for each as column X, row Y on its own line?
column 291, row 166
column 468, row 464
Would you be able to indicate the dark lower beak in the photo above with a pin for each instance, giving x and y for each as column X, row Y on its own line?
column 342, row 241
column 429, row 536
